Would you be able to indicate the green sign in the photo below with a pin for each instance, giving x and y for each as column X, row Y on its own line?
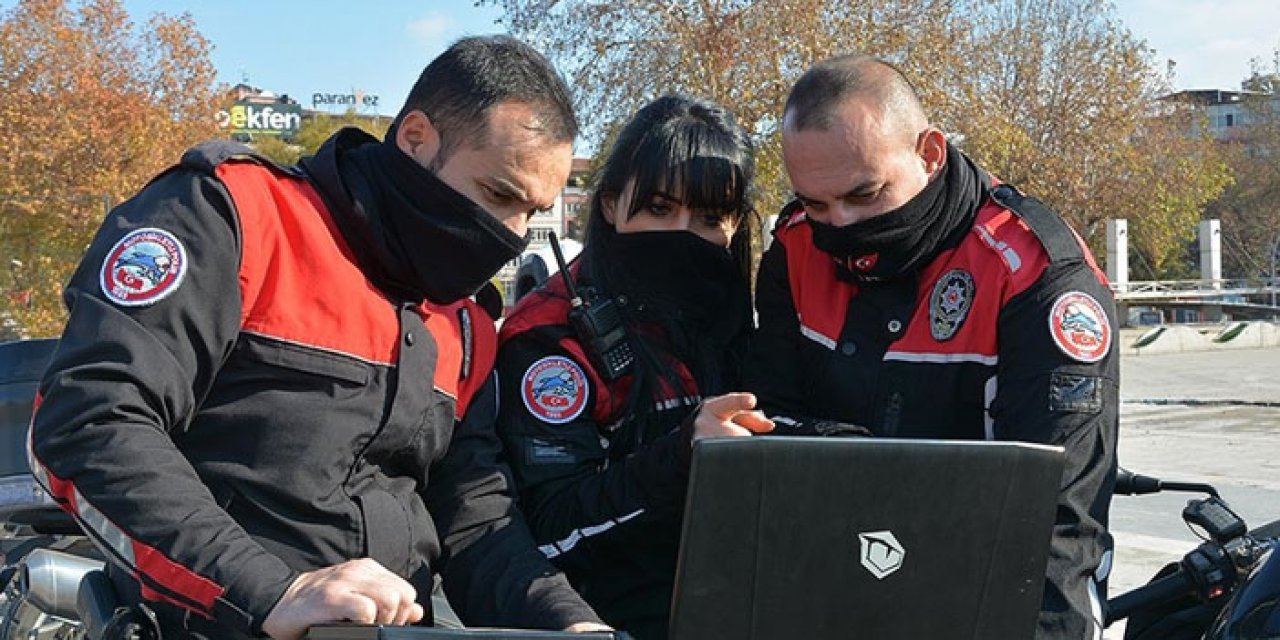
column 262, row 119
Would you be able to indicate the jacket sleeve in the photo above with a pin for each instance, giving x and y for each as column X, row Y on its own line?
column 127, row 375
column 493, row 573
column 1046, row 395
column 575, row 497
column 774, row 370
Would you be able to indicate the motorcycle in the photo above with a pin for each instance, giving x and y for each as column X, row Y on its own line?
column 45, row 555
column 52, row 586
column 1227, row 588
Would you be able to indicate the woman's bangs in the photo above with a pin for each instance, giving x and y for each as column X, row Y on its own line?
column 712, row 183
column 693, row 165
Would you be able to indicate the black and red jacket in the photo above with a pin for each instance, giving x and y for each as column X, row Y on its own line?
column 993, row 338
column 602, row 485
column 262, row 409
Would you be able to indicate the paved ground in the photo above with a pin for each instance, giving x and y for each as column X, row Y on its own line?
column 1202, row 416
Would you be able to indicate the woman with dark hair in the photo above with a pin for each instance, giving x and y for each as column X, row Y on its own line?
column 599, row 435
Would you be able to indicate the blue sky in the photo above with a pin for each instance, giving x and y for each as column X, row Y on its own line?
column 328, row 46
column 1211, row 41
column 380, row 46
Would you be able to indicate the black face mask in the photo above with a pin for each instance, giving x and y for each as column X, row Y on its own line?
column 690, row 287
column 895, row 243
column 431, row 241
column 676, row 275
column 891, row 242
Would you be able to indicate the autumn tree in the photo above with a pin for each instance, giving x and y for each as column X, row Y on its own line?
column 744, row 54
column 1054, row 96
column 1250, row 209
column 93, row 106
column 1066, row 104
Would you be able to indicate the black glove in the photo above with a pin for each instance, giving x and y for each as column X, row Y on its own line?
column 813, row 427
column 841, row 429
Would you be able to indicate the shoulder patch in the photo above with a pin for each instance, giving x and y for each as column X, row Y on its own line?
column 143, row 268
column 1080, row 327
column 949, row 304
column 554, row 389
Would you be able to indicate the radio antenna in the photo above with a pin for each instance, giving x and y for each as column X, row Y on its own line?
column 574, row 298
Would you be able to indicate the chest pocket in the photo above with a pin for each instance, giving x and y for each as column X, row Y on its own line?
column 306, row 365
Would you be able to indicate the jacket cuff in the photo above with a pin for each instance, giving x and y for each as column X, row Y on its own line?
column 661, row 469
column 561, row 612
column 256, row 592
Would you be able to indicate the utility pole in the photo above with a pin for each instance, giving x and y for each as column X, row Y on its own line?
column 1275, row 248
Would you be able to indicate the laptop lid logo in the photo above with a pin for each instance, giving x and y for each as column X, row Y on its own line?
column 882, row 554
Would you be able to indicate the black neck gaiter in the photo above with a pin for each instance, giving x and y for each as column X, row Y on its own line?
column 674, row 274
column 896, row 242
column 690, row 287
column 427, row 240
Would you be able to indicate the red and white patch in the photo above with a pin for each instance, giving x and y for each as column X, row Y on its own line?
column 143, row 267
column 1080, row 327
column 554, row 389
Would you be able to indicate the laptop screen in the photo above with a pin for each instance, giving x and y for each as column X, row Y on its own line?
column 834, row 537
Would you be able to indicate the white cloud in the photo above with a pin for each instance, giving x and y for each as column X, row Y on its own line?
column 1211, row 41
column 432, row 32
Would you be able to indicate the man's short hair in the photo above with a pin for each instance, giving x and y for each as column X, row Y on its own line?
column 817, row 95
column 459, row 87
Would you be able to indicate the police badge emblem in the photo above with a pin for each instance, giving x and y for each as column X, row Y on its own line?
column 144, row 267
column 1079, row 326
column 950, row 303
column 554, row 389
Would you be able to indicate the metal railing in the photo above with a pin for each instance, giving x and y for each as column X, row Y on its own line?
column 1193, row 289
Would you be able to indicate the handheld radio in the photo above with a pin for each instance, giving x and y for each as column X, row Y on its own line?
column 598, row 326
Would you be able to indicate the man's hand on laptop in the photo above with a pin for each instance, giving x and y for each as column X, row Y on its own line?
column 729, row 415
column 360, row 591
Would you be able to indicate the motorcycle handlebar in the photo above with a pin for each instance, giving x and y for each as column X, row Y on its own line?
column 1157, row 592
column 1128, row 483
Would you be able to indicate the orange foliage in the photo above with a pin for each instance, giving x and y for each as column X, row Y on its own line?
column 93, row 106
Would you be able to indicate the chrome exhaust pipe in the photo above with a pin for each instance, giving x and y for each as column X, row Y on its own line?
column 50, row 579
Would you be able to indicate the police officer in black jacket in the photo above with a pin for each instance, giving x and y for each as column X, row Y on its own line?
column 255, row 406
column 910, row 294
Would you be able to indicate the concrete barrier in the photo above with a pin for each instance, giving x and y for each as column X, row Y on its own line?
column 1177, row 338
column 1171, row 338
column 1248, row 335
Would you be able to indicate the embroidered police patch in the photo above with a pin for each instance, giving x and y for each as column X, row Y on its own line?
column 554, row 389
column 950, row 303
column 1071, row 393
column 143, row 268
column 1080, row 327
